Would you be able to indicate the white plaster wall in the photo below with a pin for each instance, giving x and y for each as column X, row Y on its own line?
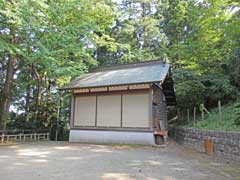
column 121, row 137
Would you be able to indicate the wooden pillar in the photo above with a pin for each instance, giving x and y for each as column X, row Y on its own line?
column 48, row 136
column 220, row 110
column 2, row 137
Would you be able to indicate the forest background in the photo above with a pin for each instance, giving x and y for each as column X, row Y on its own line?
column 46, row 43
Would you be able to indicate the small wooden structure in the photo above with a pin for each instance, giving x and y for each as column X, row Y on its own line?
column 122, row 104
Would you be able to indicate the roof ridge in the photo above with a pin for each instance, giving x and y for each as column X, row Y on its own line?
column 127, row 65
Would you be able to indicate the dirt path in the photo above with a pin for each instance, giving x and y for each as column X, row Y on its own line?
column 64, row 161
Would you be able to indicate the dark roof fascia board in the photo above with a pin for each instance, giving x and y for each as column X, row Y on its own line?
column 88, row 87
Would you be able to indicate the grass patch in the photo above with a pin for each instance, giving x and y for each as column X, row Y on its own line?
column 213, row 122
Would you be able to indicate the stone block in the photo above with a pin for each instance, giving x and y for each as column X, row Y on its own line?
column 236, row 136
column 227, row 149
column 235, row 150
column 219, row 147
column 215, row 140
column 226, row 144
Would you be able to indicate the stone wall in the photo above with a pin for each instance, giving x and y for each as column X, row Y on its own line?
column 224, row 144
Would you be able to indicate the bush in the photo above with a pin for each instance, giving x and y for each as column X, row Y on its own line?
column 229, row 120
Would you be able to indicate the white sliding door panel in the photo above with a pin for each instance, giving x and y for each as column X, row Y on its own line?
column 135, row 112
column 85, row 111
column 109, row 111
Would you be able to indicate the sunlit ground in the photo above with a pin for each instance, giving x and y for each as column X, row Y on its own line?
column 64, row 161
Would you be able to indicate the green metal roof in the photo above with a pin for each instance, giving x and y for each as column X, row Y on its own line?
column 143, row 72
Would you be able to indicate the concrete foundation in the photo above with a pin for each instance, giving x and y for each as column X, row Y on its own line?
column 119, row 137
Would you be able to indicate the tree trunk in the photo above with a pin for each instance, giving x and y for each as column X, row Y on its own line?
column 49, row 99
column 7, row 87
column 38, row 99
column 143, row 10
column 28, row 95
column 40, row 80
column 6, row 92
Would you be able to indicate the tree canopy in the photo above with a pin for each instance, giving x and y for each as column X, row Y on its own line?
column 46, row 43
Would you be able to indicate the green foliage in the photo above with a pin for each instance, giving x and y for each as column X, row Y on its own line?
column 219, row 87
column 52, row 42
column 207, row 54
column 55, row 41
column 212, row 121
column 189, row 88
column 137, row 34
column 195, row 88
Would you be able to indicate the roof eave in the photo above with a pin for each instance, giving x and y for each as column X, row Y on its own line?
column 127, row 84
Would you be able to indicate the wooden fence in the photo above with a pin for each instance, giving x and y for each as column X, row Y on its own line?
column 5, row 138
column 200, row 111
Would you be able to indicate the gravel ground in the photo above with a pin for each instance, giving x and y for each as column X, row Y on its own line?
column 65, row 161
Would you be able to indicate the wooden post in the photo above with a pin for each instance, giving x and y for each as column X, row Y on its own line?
column 194, row 114
column 2, row 137
column 179, row 114
column 188, row 116
column 202, row 115
column 58, row 116
column 220, row 110
column 182, row 114
column 48, row 136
